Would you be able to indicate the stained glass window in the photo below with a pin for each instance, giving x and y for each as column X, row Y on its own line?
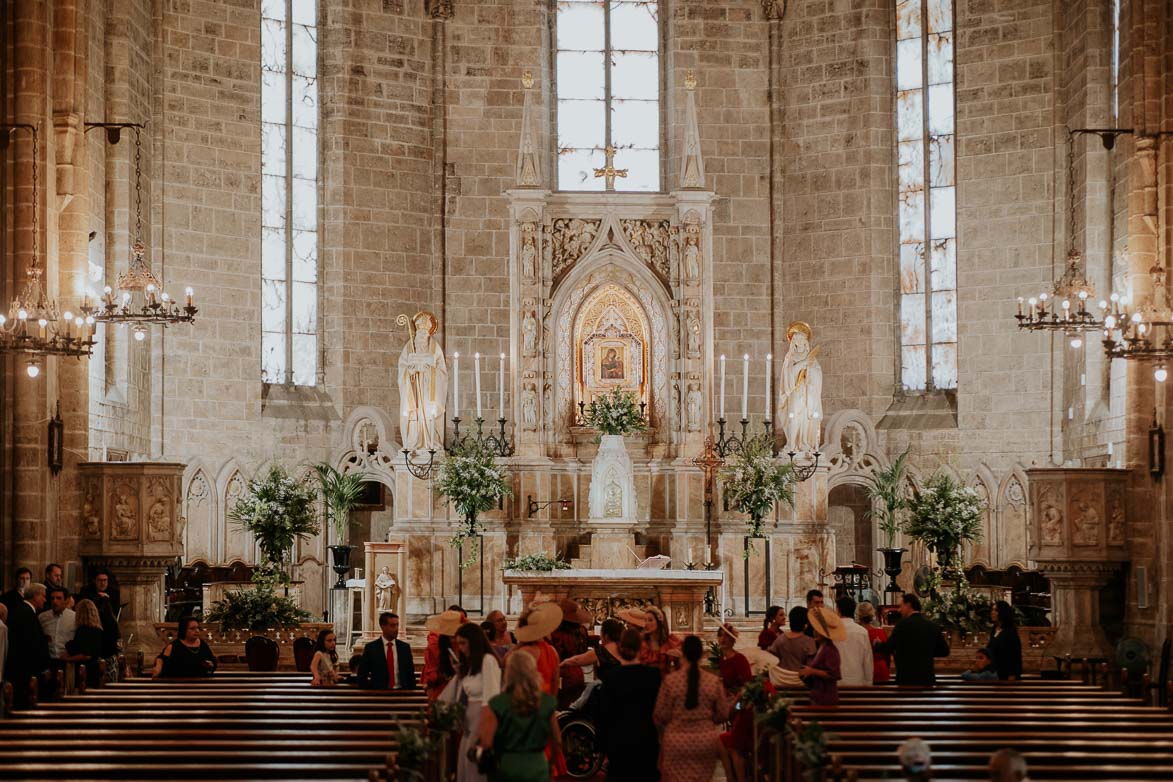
column 926, row 180
column 608, row 77
column 289, row 192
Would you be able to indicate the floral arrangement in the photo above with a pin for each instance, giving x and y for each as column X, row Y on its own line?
column 775, row 714
column 887, row 491
column 414, row 749
column 470, row 478
column 256, row 609
column 963, row 609
column 810, row 747
column 341, row 493
column 943, row 516
column 754, row 482
column 757, row 694
column 537, row 562
column 715, row 655
column 615, row 413
column 445, row 717
column 278, row 511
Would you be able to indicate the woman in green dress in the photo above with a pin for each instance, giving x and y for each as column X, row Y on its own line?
column 519, row 725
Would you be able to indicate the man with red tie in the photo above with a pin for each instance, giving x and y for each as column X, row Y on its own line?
column 386, row 661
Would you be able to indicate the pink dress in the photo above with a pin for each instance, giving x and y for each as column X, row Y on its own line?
column 688, row 749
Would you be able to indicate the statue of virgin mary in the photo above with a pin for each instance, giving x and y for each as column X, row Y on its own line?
column 801, row 400
column 423, row 385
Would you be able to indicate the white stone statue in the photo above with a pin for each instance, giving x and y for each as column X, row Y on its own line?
column 694, row 408
column 529, row 334
column 694, row 334
column 529, row 251
column 692, row 252
column 800, row 404
column 423, row 385
column 386, row 590
column 529, row 407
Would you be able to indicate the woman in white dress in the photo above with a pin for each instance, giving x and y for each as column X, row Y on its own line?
column 478, row 678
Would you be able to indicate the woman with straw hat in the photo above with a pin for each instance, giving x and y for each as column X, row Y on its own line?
column 569, row 639
column 823, row 673
column 439, row 658
column 533, row 627
column 661, row 648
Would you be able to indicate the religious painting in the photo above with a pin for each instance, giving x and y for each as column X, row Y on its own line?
column 612, row 362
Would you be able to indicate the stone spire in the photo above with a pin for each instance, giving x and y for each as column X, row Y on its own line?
column 529, row 161
column 692, row 165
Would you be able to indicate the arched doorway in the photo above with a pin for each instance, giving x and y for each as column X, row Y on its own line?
column 849, row 514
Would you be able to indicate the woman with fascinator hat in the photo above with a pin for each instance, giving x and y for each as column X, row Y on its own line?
column 661, row 649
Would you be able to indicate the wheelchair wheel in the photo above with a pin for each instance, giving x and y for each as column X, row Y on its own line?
column 580, row 748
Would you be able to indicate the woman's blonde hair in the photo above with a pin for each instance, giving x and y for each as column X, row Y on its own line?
column 87, row 614
column 522, row 682
column 865, row 613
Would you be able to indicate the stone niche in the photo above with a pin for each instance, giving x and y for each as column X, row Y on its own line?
column 1078, row 537
column 131, row 525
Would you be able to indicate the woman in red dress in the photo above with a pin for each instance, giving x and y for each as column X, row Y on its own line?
column 570, row 640
column 661, row 649
column 737, row 742
column 865, row 614
column 771, row 626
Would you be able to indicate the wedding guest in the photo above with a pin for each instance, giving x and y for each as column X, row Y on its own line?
column 28, row 648
column 386, row 661
column 737, row 742
column 865, row 614
column 569, row 639
column 439, row 665
column 690, row 706
column 55, row 579
column 59, row 622
column 823, row 673
column 500, row 638
column 520, row 723
column 533, row 628
column 627, row 701
column 1008, row 765
column 188, row 656
column 771, row 627
column 478, row 680
column 603, row 656
column 983, row 669
column 105, row 596
column 324, row 665
column 814, row 599
column 855, row 650
column 794, row 648
column 661, row 648
column 3, row 639
column 1005, row 645
column 15, row 596
column 86, row 646
column 914, row 642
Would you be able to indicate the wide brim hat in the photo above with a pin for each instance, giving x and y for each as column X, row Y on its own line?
column 633, row 616
column 444, row 623
column 573, row 612
column 728, row 630
column 827, row 623
column 539, row 622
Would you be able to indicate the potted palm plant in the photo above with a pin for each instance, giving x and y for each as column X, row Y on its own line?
column 341, row 492
column 886, row 490
column 755, row 482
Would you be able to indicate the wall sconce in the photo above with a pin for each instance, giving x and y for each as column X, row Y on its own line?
column 1156, row 449
column 535, row 506
column 56, row 441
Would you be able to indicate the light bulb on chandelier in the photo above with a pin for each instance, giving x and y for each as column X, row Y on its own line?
column 140, row 333
column 1161, row 374
column 1076, row 342
column 32, row 369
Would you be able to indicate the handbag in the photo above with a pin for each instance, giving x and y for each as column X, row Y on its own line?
column 485, row 759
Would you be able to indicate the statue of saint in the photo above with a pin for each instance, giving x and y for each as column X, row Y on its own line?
column 386, row 590
column 529, row 334
column 529, row 407
column 692, row 253
column 801, row 402
column 694, row 408
column 529, row 251
column 423, row 385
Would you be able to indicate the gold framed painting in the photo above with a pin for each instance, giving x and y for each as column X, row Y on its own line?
column 611, row 362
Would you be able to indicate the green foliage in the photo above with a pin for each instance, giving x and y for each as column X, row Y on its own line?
column 615, row 412
column 944, row 515
column 278, row 511
column 775, row 714
column 810, row 745
column 755, row 695
column 256, row 609
column 962, row 609
column 341, row 493
column 445, row 717
column 539, row 562
column 414, row 749
column 886, row 488
column 754, row 482
column 715, row 655
column 470, row 478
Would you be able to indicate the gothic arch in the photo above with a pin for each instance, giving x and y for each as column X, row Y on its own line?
column 200, row 511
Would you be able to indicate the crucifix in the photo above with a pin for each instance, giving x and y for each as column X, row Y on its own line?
column 710, row 463
column 609, row 172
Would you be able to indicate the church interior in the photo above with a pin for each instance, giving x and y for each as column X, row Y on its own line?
column 676, row 306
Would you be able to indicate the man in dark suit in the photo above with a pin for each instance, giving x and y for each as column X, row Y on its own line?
column 15, row 596
column 914, row 642
column 386, row 661
column 28, row 647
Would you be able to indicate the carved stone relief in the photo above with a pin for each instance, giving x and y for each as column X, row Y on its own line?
column 529, row 330
column 90, row 511
column 1116, row 518
column 651, row 240
column 125, row 518
column 1084, row 510
column 692, row 328
column 159, row 515
column 692, row 251
column 529, row 251
column 568, row 240
column 695, row 404
column 529, row 407
column 1050, row 515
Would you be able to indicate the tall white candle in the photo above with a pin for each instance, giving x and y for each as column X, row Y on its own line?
column 769, row 379
column 722, row 385
column 476, row 373
column 456, row 385
column 745, row 387
column 501, row 390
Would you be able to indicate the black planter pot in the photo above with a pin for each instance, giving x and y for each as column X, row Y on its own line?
column 892, row 566
column 341, row 555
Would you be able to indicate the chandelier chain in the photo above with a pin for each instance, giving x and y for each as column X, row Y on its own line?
column 1071, row 190
column 138, row 184
column 35, row 173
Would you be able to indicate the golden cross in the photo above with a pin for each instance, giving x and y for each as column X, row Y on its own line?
column 610, row 172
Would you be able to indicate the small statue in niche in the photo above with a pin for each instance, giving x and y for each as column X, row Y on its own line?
column 124, row 520
column 547, row 249
column 692, row 252
column 548, row 405
column 676, row 401
column 386, row 590
column 529, row 407
column 529, row 333
column 89, row 513
column 613, row 509
column 674, row 249
column 529, row 251
column 694, row 407
column 157, row 516
column 694, row 334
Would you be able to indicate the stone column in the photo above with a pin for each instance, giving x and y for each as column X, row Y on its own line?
column 1078, row 536
column 131, row 526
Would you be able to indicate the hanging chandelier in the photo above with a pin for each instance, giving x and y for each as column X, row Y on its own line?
column 1143, row 333
column 1067, row 307
column 140, row 299
column 33, row 327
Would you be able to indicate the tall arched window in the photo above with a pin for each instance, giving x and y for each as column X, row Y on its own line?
column 926, row 181
column 608, row 92
column 289, row 192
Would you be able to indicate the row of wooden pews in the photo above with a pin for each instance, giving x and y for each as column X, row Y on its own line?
column 1067, row 730
column 230, row 726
